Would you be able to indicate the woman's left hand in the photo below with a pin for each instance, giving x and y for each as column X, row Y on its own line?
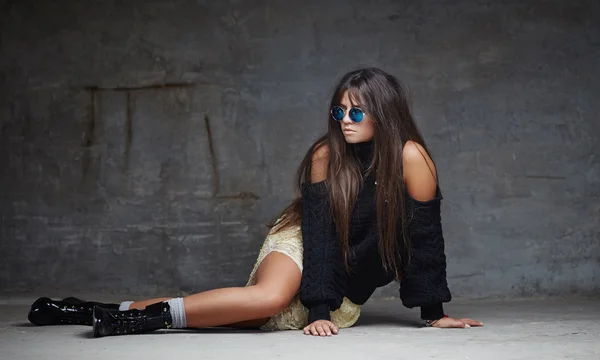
column 448, row 322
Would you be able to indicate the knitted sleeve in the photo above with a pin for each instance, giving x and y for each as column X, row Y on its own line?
column 324, row 276
column 424, row 282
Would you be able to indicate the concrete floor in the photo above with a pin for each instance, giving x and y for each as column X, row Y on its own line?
column 554, row 328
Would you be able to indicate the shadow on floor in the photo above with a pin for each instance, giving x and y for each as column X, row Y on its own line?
column 372, row 318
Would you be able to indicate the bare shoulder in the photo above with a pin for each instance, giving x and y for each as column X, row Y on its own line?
column 320, row 160
column 420, row 175
column 321, row 152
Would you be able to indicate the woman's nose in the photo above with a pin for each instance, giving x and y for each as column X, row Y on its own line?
column 346, row 120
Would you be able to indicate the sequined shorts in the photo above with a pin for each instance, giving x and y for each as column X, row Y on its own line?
column 295, row 315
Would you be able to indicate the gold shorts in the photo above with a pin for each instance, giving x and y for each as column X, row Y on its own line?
column 295, row 315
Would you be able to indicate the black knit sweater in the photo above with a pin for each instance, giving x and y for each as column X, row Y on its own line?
column 325, row 281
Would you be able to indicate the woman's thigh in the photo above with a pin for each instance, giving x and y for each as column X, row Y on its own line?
column 279, row 276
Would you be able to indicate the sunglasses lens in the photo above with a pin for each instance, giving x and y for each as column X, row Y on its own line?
column 356, row 115
column 337, row 113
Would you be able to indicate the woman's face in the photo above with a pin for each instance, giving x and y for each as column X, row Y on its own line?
column 355, row 132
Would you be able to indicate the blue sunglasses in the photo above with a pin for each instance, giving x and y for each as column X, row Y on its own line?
column 355, row 114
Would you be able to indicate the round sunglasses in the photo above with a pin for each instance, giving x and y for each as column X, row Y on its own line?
column 355, row 114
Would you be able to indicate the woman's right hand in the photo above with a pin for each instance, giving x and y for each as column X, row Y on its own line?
column 321, row 328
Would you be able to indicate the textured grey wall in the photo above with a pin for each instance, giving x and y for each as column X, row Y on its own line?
column 145, row 143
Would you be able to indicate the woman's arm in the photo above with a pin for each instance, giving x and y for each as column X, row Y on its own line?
column 424, row 282
column 323, row 276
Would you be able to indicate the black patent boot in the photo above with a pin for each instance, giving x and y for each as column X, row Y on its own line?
column 113, row 322
column 69, row 311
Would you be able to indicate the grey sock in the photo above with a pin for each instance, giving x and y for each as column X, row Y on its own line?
column 124, row 306
column 177, row 313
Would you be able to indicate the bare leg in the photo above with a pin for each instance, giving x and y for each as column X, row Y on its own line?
column 141, row 305
column 249, row 324
column 277, row 282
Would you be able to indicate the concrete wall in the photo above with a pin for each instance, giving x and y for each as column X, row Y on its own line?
column 145, row 143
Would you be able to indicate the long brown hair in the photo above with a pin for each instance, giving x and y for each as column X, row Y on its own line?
column 384, row 98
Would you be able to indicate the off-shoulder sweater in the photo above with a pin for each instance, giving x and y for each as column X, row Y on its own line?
column 325, row 281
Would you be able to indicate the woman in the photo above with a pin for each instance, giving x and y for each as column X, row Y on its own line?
column 367, row 213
